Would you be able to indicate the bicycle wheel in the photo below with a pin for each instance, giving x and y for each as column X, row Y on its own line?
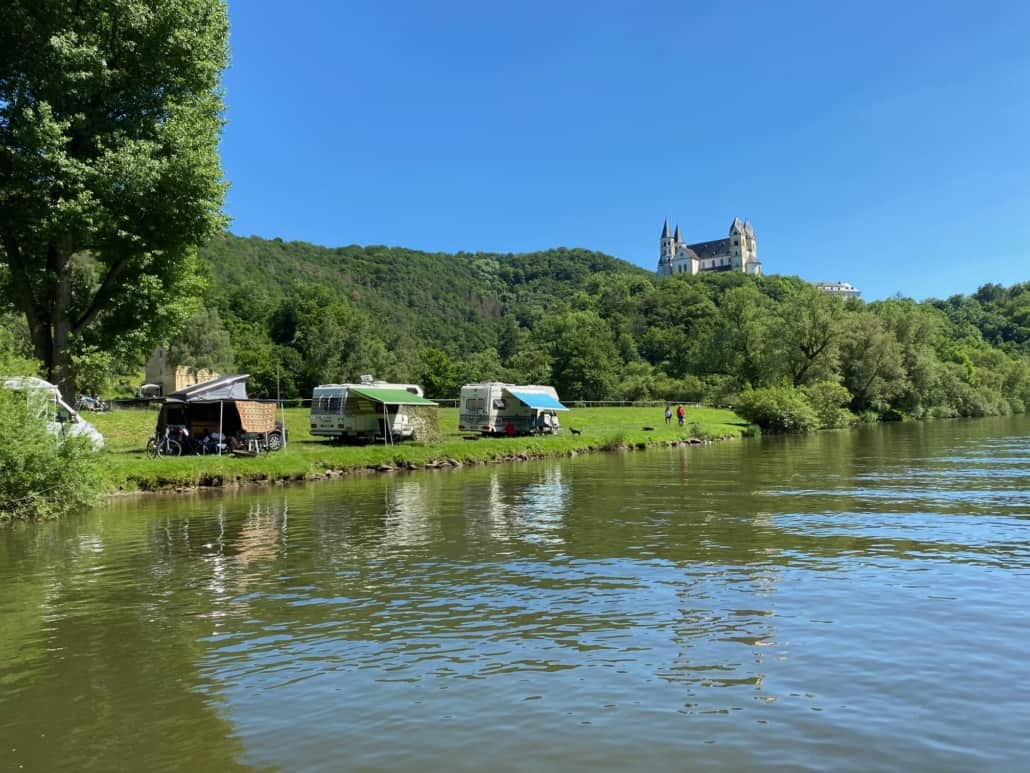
column 152, row 448
column 169, row 448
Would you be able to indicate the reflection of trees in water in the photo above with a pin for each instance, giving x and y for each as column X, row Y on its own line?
column 124, row 628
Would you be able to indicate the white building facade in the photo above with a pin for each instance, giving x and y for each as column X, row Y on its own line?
column 737, row 252
column 842, row 289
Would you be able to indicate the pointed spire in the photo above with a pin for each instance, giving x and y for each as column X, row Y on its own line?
column 665, row 231
column 676, row 236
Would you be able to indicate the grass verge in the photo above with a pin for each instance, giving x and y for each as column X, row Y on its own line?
column 126, row 468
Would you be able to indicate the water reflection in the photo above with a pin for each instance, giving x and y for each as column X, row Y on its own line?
column 518, row 508
column 605, row 612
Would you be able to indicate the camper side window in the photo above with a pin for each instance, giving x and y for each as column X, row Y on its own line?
column 499, row 403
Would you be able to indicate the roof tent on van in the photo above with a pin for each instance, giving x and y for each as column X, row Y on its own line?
column 221, row 406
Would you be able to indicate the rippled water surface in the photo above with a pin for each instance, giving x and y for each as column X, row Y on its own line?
column 851, row 601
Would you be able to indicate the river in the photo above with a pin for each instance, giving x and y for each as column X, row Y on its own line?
column 849, row 600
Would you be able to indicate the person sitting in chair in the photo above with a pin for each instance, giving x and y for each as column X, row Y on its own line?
column 213, row 442
column 541, row 422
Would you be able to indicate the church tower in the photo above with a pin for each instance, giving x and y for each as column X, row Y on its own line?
column 750, row 254
column 737, row 244
column 666, row 251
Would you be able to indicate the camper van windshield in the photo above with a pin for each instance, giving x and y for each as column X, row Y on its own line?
column 325, row 405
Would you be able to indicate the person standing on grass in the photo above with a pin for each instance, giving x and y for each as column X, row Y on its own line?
column 668, row 413
column 680, row 414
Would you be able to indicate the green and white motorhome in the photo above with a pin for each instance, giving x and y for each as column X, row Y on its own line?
column 370, row 411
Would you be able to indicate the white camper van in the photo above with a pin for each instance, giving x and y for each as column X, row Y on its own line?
column 494, row 408
column 367, row 411
column 46, row 403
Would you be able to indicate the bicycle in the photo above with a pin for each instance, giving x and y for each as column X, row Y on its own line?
column 166, row 444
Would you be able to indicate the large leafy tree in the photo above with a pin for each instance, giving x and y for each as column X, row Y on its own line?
column 110, row 113
column 807, row 333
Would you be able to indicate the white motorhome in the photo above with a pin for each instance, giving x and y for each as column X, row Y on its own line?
column 493, row 408
column 368, row 411
column 46, row 403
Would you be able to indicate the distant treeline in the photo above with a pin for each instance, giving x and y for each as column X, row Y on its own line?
column 295, row 315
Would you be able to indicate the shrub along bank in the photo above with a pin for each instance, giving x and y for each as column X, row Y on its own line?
column 125, row 467
column 40, row 474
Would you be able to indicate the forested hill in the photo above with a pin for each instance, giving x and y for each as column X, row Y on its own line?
column 402, row 301
column 598, row 328
column 443, row 299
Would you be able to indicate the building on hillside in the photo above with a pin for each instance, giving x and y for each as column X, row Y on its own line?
column 843, row 289
column 174, row 377
column 737, row 252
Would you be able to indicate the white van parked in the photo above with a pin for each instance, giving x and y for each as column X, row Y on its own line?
column 46, row 403
column 493, row 408
column 366, row 411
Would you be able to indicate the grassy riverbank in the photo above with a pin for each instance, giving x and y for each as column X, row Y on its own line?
column 127, row 468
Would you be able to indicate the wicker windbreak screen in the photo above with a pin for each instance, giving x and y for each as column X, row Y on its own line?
column 256, row 417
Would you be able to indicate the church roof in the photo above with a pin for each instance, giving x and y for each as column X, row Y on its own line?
column 665, row 231
column 712, row 249
column 676, row 236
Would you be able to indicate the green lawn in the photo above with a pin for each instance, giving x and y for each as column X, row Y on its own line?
column 127, row 467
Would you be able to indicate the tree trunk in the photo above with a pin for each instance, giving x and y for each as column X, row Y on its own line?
column 47, row 317
column 61, row 367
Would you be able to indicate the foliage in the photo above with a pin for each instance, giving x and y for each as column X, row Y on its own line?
column 600, row 329
column 203, row 342
column 872, row 362
column 41, row 474
column 778, row 409
column 828, row 399
column 109, row 122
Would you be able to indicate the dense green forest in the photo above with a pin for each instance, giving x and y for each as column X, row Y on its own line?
column 294, row 315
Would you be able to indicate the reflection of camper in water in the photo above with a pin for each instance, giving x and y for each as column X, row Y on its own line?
column 493, row 408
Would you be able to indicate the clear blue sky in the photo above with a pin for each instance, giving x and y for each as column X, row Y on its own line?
column 883, row 144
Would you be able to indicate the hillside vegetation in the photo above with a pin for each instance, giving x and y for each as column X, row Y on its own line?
column 599, row 328
column 787, row 355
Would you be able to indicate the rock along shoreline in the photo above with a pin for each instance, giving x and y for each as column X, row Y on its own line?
column 221, row 481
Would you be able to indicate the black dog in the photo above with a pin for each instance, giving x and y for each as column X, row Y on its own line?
column 574, row 431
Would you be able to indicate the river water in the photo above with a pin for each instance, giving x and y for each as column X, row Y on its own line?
column 851, row 600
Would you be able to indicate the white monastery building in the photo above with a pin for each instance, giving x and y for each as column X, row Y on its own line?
column 843, row 289
column 737, row 252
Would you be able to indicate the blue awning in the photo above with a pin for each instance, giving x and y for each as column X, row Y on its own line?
column 537, row 400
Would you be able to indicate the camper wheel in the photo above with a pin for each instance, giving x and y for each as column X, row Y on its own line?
column 275, row 441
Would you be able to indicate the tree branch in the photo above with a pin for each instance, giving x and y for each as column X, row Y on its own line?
column 103, row 295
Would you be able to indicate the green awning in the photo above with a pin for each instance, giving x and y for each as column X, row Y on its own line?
column 390, row 396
